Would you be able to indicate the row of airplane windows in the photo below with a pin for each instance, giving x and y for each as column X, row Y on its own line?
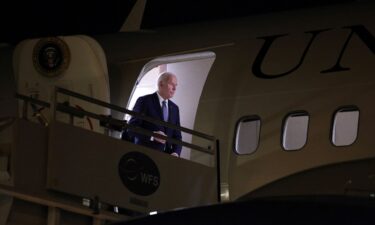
column 295, row 129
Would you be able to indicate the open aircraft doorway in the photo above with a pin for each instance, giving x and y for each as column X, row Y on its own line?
column 191, row 71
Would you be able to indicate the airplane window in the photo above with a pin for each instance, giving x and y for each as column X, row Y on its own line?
column 345, row 126
column 295, row 131
column 247, row 135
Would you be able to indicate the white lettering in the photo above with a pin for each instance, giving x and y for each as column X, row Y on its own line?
column 156, row 181
column 149, row 179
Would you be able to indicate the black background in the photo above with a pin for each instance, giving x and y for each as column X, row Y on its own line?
column 30, row 19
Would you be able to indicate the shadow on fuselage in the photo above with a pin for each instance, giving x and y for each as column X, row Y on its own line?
column 276, row 210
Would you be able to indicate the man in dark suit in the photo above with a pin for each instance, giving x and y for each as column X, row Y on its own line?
column 159, row 106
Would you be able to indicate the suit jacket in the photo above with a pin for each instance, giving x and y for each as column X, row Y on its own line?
column 149, row 105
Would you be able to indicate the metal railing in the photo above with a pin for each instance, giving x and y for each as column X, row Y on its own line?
column 123, row 124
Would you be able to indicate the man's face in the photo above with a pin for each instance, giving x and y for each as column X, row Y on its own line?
column 168, row 87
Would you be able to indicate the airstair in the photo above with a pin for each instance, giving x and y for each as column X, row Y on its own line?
column 71, row 172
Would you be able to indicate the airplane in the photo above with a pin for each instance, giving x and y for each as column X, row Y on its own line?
column 271, row 105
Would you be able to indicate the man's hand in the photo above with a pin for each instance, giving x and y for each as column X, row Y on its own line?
column 175, row 154
column 159, row 139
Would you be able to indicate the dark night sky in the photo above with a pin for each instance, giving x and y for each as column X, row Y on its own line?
column 29, row 19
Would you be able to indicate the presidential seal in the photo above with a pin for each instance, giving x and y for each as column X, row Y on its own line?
column 51, row 56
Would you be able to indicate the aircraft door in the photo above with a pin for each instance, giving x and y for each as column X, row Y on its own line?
column 76, row 63
column 191, row 71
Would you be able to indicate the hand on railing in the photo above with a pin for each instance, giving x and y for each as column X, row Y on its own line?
column 159, row 139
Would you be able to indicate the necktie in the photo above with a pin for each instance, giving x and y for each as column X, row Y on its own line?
column 165, row 110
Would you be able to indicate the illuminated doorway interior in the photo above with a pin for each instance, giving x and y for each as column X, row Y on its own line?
column 191, row 71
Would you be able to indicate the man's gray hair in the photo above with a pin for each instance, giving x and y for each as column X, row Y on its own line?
column 164, row 77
